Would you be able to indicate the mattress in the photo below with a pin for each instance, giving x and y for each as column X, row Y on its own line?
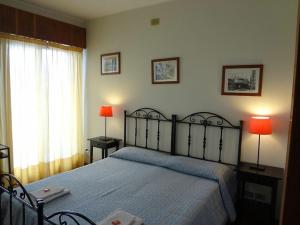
column 161, row 189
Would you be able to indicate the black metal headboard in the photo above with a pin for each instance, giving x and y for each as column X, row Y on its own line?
column 149, row 114
column 203, row 119
column 208, row 119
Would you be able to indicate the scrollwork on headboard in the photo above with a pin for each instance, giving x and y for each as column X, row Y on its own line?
column 208, row 119
column 146, row 114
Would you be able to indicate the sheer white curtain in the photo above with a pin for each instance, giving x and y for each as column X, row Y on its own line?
column 46, row 107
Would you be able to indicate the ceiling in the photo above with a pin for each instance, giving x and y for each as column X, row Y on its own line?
column 90, row 9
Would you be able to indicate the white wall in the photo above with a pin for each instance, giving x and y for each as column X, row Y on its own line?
column 205, row 34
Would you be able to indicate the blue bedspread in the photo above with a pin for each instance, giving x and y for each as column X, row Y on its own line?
column 161, row 189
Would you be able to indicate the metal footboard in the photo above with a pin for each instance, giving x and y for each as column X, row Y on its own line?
column 15, row 201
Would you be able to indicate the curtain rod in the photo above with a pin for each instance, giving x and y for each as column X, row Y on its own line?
column 39, row 42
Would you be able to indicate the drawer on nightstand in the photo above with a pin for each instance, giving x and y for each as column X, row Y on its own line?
column 258, row 179
column 110, row 145
column 105, row 144
column 96, row 144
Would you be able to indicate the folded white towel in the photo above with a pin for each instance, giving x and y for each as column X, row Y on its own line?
column 58, row 195
column 120, row 217
column 46, row 192
column 49, row 193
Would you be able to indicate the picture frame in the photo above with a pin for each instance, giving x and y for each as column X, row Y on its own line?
column 111, row 63
column 242, row 80
column 165, row 71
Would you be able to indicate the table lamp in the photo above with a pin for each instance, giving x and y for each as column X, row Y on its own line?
column 260, row 125
column 105, row 111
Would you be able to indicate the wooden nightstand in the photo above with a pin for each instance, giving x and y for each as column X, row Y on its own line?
column 98, row 142
column 269, row 177
column 5, row 154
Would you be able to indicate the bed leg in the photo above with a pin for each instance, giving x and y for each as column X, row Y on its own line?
column 40, row 211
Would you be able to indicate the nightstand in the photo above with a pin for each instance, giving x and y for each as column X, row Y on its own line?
column 269, row 177
column 5, row 154
column 99, row 142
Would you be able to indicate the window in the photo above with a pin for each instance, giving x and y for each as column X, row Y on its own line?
column 46, row 109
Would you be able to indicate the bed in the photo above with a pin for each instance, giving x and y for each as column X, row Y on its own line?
column 158, row 185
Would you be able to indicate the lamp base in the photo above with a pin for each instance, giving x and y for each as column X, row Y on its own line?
column 257, row 168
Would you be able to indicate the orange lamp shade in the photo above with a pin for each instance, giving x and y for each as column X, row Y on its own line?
column 260, row 125
column 105, row 111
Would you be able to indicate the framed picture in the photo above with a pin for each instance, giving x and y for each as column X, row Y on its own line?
column 111, row 63
column 165, row 71
column 242, row 80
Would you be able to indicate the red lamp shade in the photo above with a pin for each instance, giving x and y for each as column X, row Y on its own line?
column 260, row 125
column 105, row 111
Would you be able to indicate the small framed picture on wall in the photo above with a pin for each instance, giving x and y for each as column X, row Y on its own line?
column 243, row 80
column 111, row 63
column 165, row 71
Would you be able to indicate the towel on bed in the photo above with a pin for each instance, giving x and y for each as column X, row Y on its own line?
column 49, row 193
column 120, row 217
